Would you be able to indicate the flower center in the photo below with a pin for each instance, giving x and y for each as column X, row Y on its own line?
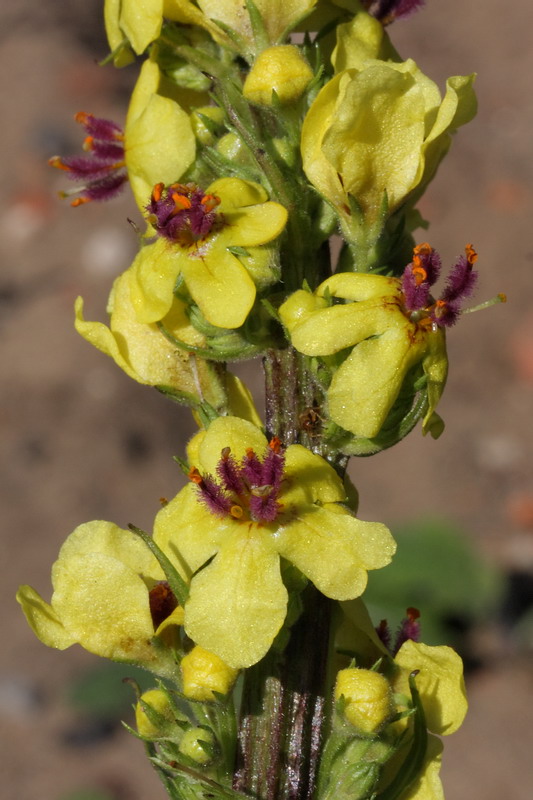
column 420, row 275
column 247, row 490
column 183, row 213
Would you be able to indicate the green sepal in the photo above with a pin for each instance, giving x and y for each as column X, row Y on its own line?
column 178, row 586
column 259, row 30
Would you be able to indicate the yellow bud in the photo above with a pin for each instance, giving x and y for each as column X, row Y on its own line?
column 159, row 703
column 368, row 698
column 204, row 673
column 281, row 68
column 191, row 745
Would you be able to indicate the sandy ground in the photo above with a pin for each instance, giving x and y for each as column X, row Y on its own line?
column 80, row 441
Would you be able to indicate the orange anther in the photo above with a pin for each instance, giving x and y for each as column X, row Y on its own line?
column 181, row 200
column 210, row 201
column 236, row 512
column 424, row 249
column 157, row 191
column 419, row 272
column 275, row 444
column 88, row 143
column 82, row 117
column 195, row 476
column 225, row 453
column 471, row 255
column 80, row 201
column 56, row 161
column 412, row 614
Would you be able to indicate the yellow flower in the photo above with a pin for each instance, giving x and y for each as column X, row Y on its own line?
column 146, row 355
column 197, row 230
column 230, row 537
column 377, row 132
column 110, row 597
column 386, row 344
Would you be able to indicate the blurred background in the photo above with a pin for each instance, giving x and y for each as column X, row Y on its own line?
column 81, row 441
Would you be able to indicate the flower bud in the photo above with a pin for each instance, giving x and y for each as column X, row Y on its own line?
column 281, row 69
column 368, row 698
column 204, row 673
column 154, row 714
column 193, row 744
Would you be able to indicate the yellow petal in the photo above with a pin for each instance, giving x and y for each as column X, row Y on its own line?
column 155, row 154
column 43, row 620
column 159, row 146
column 237, row 434
column 317, row 167
column 308, row 478
column 220, row 285
column 155, row 270
column 100, row 536
column 334, row 550
column 187, row 532
column 141, row 21
column 236, row 193
column 254, row 225
column 238, row 603
column 359, row 286
column 366, row 385
column 439, row 681
column 104, row 605
column 330, row 330
column 359, row 40
column 428, row 785
column 115, row 35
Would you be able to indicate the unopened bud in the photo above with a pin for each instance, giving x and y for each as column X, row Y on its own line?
column 282, row 69
column 204, row 673
column 197, row 744
column 154, row 714
column 368, row 698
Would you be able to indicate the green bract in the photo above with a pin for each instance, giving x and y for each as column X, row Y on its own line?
column 386, row 345
column 217, row 280
column 237, row 602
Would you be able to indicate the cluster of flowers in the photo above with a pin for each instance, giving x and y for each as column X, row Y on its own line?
column 245, row 152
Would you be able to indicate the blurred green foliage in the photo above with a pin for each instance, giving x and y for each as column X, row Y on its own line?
column 437, row 570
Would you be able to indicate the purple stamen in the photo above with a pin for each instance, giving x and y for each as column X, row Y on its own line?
column 419, row 276
column 228, row 472
column 252, row 469
column 272, row 471
column 389, row 10
column 384, row 634
column 212, row 495
column 103, row 170
column 409, row 629
column 263, row 506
